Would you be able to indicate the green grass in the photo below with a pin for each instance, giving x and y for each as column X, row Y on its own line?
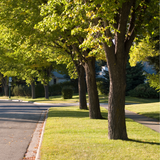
column 71, row 135
column 151, row 110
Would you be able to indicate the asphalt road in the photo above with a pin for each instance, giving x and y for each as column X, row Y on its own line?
column 17, row 124
column 18, row 121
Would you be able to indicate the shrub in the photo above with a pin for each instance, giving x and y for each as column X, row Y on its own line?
column 21, row 90
column 18, row 90
column 144, row 91
column 27, row 91
column 67, row 92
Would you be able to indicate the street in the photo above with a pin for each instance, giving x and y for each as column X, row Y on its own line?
column 18, row 121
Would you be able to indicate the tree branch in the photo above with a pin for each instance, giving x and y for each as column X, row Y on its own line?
column 110, row 51
column 131, row 30
column 122, row 24
column 136, row 14
column 76, row 49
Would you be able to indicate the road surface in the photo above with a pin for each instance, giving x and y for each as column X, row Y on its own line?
column 17, row 123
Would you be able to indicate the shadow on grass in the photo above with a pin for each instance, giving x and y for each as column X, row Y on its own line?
column 145, row 142
column 140, row 100
column 73, row 114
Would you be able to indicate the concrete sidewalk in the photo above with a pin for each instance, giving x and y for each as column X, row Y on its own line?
column 148, row 122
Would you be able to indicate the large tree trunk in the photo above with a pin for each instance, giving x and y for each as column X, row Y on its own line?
column 81, row 87
column 94, row 108
column 116, row 105
column 116, row 55
column 33, row 90
column 46, row 90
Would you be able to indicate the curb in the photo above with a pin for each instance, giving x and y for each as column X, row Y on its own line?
column 41, row 138
column 33, row 150
column 16, row 100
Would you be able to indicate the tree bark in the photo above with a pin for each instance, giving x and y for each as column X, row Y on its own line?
column 33, row 90
column 46, row 90
column 81, row 87
column 116, row 105
column 94, row 108
column 116, row 55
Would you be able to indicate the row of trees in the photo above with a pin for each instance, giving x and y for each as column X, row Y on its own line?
column 37, row 33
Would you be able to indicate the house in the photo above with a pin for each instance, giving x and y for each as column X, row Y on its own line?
column 58, row 78
column 101, row 73
column 148, row 68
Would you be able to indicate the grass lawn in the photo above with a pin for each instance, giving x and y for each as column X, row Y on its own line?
column 151, row 110
column 71, row 135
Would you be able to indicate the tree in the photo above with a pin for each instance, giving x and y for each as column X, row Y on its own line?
column 112, row 25
column 31, row 58
column 7, row 62
column 119, row 24
column 23, row 44
column 64, row 56
column 23, row 20
column 121, row 21
column 146, row 50
column 56, row 12
column 97, row 27
column 134, row 76
column 75, row 69
column 81, row 84
column 4, row 81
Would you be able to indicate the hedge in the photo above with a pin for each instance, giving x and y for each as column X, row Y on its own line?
column 67, row 92
column 144, row 91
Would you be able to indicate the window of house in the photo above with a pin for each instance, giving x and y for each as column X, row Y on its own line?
column 55, row 80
